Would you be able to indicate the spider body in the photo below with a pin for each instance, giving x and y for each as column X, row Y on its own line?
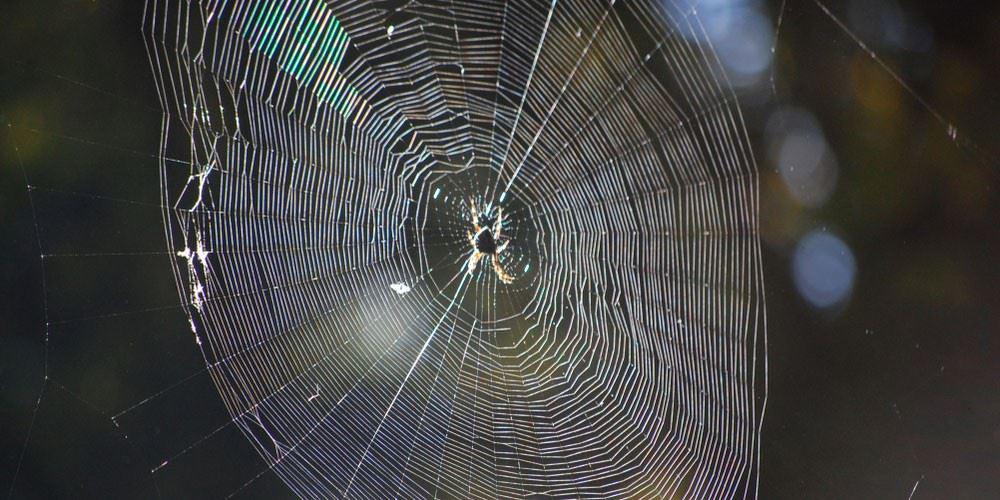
column 487, row 243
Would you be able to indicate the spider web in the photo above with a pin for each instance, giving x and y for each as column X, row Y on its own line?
column 321, row 241
column 316, row 166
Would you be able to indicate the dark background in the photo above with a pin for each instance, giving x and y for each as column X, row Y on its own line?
column 896, row 384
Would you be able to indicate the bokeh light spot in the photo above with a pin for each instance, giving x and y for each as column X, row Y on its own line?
column 797, row 146
column 823, row 268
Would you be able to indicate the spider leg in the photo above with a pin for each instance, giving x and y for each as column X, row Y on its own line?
column 474, row 260
column 502, row 247
column 498, row 224
column 472, row 238
column 497, row 268
column 474, row 214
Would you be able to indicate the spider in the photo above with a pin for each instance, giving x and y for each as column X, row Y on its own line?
column 486, row 242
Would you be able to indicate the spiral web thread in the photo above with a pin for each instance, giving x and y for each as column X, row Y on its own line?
column 321, row 242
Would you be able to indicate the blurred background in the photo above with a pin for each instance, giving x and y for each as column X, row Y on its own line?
column 874, row 127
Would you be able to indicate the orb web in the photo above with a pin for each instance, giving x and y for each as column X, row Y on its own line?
column 330, row 153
